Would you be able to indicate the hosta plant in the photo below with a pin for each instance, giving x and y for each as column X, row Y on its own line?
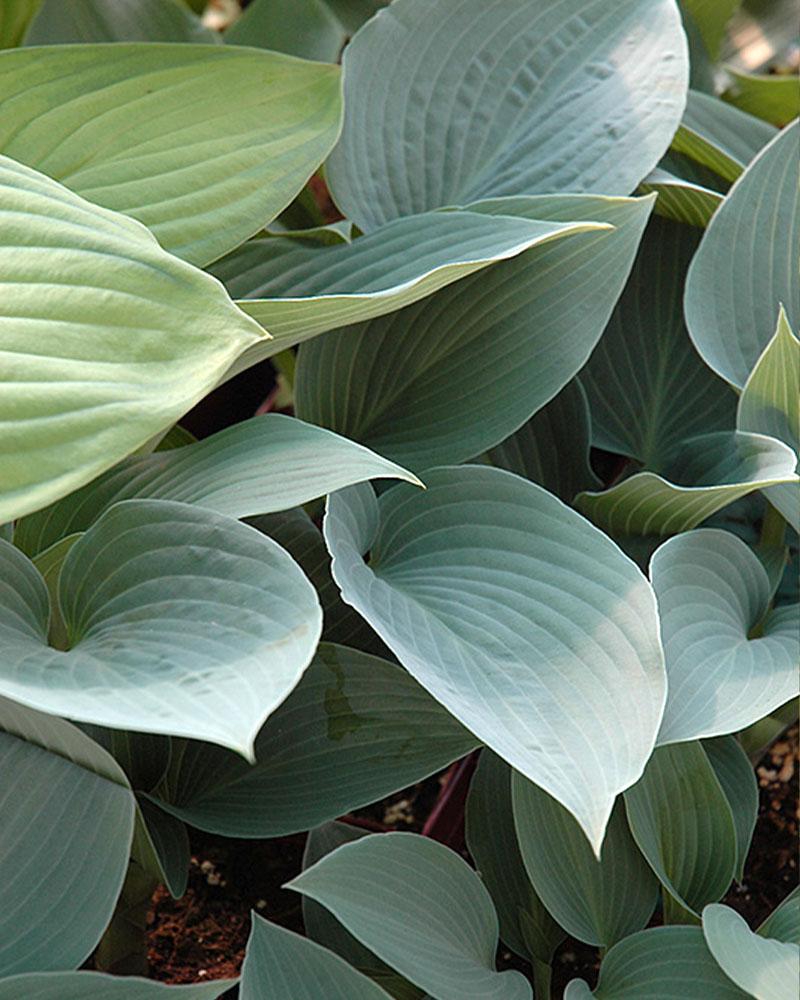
column 532, row 502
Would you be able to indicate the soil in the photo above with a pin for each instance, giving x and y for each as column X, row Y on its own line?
column 203, row 935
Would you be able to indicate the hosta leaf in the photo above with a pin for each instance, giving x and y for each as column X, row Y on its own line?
column 420, row 908
column 774, row 97
column 597, row 901
column 282, row 965
column 718, row 136
column 770, row 404
column 405, row 383
column 268, row 463
column 763, row 967
column 355, row 729
column 15, row 15
column 297, row 289
column 692, row 850
column 105, row 339
column 416, row 73
column 712, row 592
column 493, row 619
column 736, row 775
column 65, row 834
column 552, row 448
column 99, row 986
column 305, row 28
column 525, row 925
column 178, row 620
column 665, row 963
column 57, row 23
column 702, row 475
column 747, row 264
column 681, row 199
column 164, row 847
column 203, row 175
column 647, row 388
column 783, row 923
column 711, row 18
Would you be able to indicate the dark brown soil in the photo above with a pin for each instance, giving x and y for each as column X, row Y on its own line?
column 203, row 935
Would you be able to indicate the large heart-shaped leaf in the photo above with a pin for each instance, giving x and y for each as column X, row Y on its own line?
column 178, row 621
column 268, row 463
column 693, row 850
column 105, row 339
column 282, row 965
column 559, row 670
column 770, row 404
column 420, row 908
column 405, row 383
column 665, row 963
column 100, row 986
column 763, row 967
column 65, row 833
column 700, row 476
column 297, row 288
column 416, row 74
column 747, row 263
column 57, row 23
column 355, row 729
column 648, row 389
column 712, row 593
column 599, row 901
column 204, row 172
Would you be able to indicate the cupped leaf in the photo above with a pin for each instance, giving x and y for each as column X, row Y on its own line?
column 718, row 136
column 681, row 199
column 737, row 777
column 712, row 593
column 772, row 96
column 770, row 404
column 416, row 74
column 57, row 23
column 694, row 849
column 405, row 383
column 355, row 729
column 747, row 263
column 268, row 463
column 494, row 619
column 202, row 174
column 100, row 986
column 305, row 28
column 783, row 923
column 282, row 965
column 297, row 289
column 665, row 963
column 763, row 967
column 163, row 848
column 178, row 621
column 65, row 833
column 648, row 390
column 599, row 901
column 420, row 908
column 105, row 339
column 552, row 448
column 702, row 475
column 525, row 925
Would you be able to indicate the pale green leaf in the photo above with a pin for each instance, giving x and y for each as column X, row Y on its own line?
column 558, row 670
column 99, row 986
column 712, row 592
column 178, row 620
column 597, row 901
column 105, row 339
column 702, row 475
column 770, row 404
column 525, row 925
column 773, row 97
column 15, row 16
column 747, row 263
column 693, row 849
column 415, row 75
column 767, row 969
column 65, row 833
column 665, row 963
column 282, row 965
column 58, row 23
column 711, row 18
column 305, row 28
column 405, row 383
column 681, row 199
column 354, row 730
column 202, row 169
column 420, row 908
column 647, row 388
column 268, row 463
